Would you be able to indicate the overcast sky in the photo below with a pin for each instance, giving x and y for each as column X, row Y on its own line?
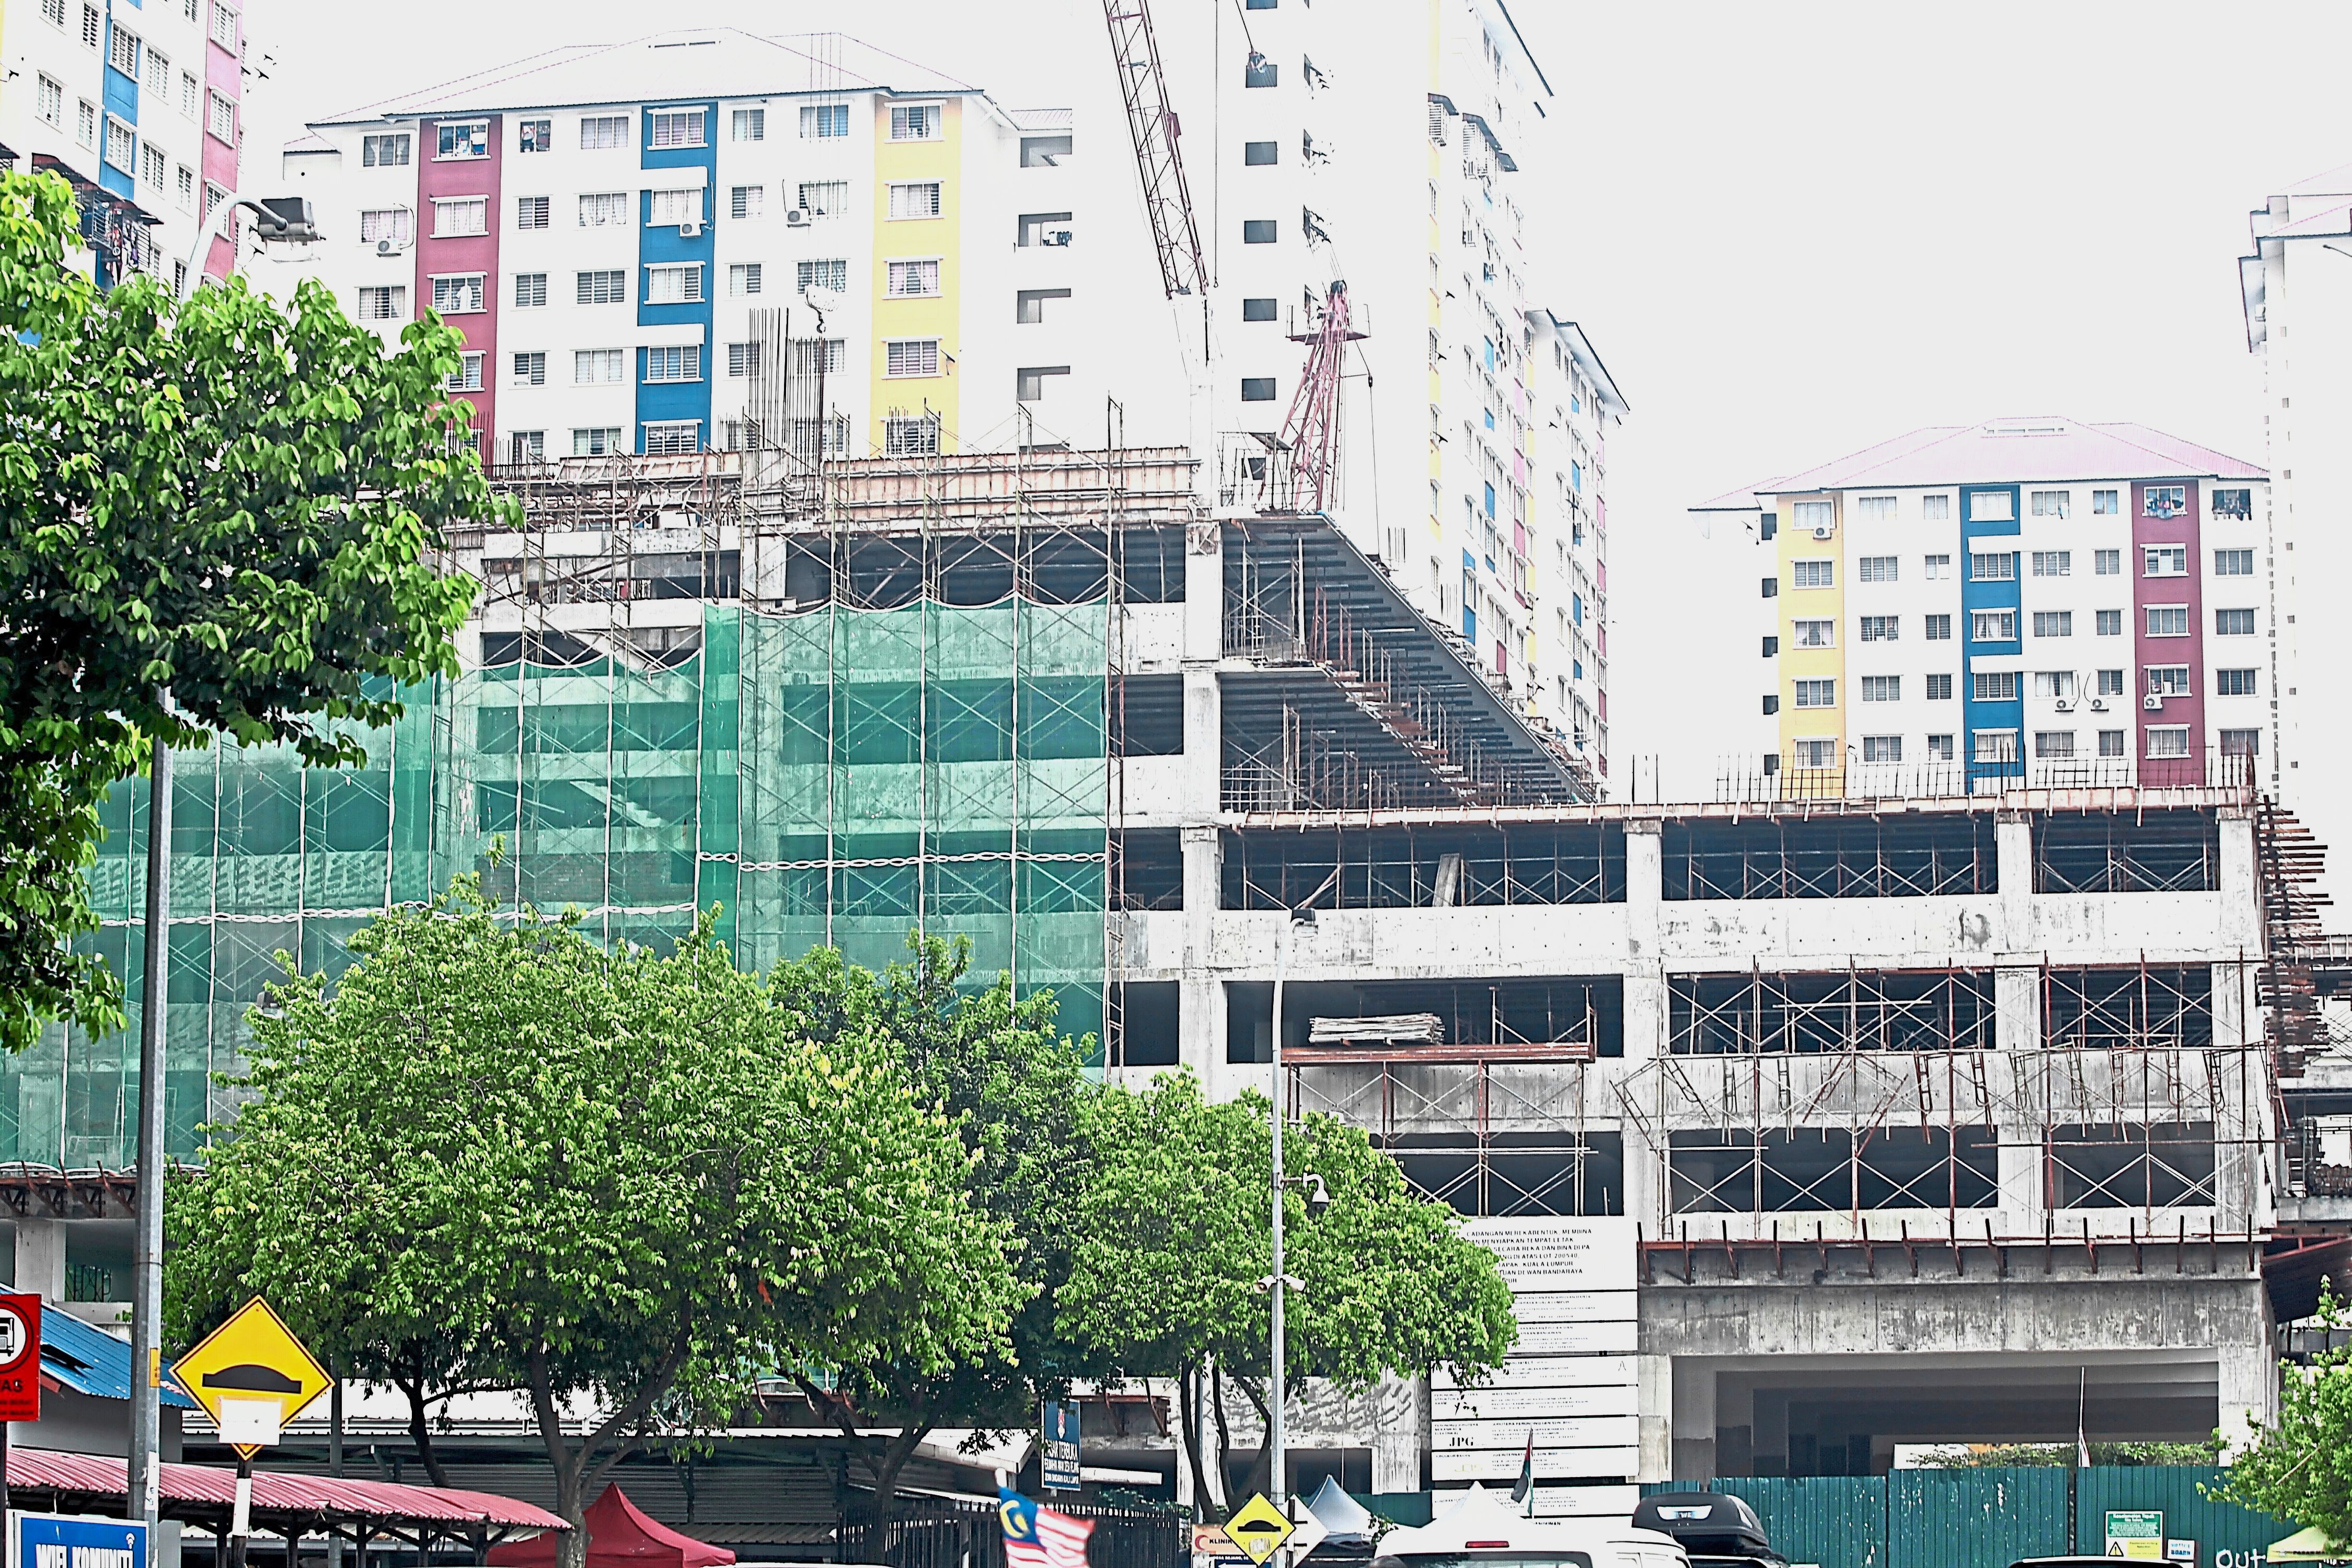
column 1790, row 230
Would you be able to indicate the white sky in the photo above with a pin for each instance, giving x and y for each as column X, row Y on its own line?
column 1791, row 229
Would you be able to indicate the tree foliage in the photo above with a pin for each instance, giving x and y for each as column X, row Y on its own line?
column 213, row 517
column 619, row 1181
column 1016, row 1090
column 1174, row 1236
column 2301, row 1469
column 2064, row 1456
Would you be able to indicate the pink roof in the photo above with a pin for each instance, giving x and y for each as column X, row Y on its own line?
column 96, row 1475
column 2042, row 448
column 619, row 1536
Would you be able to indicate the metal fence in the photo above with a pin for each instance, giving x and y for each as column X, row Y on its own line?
column 948, row 1532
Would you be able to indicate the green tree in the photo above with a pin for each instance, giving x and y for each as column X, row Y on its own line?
column 1173, row 1237
column 2301, row 1469
column 215, row 516
column 2002, row 1456
column 613, row 1180
column 1016, row 1090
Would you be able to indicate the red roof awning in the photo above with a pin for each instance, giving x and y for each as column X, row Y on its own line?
column 321, row 1497
column 619, row 1536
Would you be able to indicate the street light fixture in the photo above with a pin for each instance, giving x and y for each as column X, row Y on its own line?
column 278, row 219
column 1302, row 922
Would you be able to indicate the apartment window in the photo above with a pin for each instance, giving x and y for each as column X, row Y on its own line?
column 1993, row 626
column 1041, row 228
column 530, row 212
column 1876, row 569
column 1882, row 688
column 459, row 294
column 531, row 290
column 1817, row 694
column 1939, row 687
column 2167, row 740
column 747, row 201
column 2054, row 683
column 1937, row 568
column 1806, row 516
column 1991, row 506
column 605, row 209
column 467, row 376
column 914, row 121
column 2053, row 562
column 389, row 151
column 2238, row 504
column 2168, row 620
column 468, row 215
column 908, row 436
column 1993, row 745
column 2050, row 503
column 1259, row 71
column 183, row 181
column 598, row 367
column 1814, row 574
column 1258, row 231
column 1813, row 634
column 599, row 441
column 829, row 274
column 1258, row 155
column 2167, row 679
column 152, row 165
column 2105, row 503
column 682, row 363
column 675, row 128
column 531, row 369
column 54, row 11
column 913, row 279
column 1882, row 748
column 2111, row 683
column 668, row 209
column 1257, row 311
column 461, row 139
column 1771, row 702
column 674, row 285
column 743, row 277
column 915, row 198
column 122, row 51
column 1993, row 568
column 824, row 198
column 2054, row 623
column 1936, row 508
column 534, row 136
column 825, row 119
column 1939, row 747
column 2233, row 564
column 2055, row 745
column 384, row 302
column 1029, row 383
column 225, row 26
column 2110, row 623
column 92, row 26
column 121, row 146
column 1029, row 304
column 1875, row 508
column 1257, row 389
column 1994, row 685
column 1881, row 628
column 2107, row 562
column 2163, row 500
column 397, row 224
column 603, row 133
column 1043, row 152
column 526, row 445
column 2241, row 743
column 601, row 287
column 2111, row 742
column 911, row 356
column 2233, row 623
column 750, row 124
column 2233, row 683
column 742, row 359
column 2165, row 561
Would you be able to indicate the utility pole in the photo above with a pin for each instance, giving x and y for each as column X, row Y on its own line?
column 1277, row 1483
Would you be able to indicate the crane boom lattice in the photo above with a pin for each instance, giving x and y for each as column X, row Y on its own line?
column 1151, row 122
column 1310, row 431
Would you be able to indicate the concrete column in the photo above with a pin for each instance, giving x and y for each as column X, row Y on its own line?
column 2242, row 901
column 2013, row 845
column 2248, row 1383
column 1655, row 1396
column 1400, row 1433
column 1204, row 592
column 41, row 1257
column 1200, row 1025
column 1693, row 1423
column 1645, row 1007
column 1200, row 797
column 2017, row 1030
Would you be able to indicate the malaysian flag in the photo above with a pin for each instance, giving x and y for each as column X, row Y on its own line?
column 1038, row 1537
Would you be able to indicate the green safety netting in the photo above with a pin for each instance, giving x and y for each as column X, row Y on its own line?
column 834, row 777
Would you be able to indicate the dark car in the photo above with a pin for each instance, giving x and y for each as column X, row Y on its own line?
column 1716, row 1529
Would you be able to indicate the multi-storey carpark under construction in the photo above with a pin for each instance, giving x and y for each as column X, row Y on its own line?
column 1820, row 1053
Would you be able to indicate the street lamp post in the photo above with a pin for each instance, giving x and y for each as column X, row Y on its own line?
column 279, row 218
column 1302, row 920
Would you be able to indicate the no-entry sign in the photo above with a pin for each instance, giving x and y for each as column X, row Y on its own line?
column 20, row 1358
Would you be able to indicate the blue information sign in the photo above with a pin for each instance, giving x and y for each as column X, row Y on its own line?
column 75, row 1540
column 1058, row 1449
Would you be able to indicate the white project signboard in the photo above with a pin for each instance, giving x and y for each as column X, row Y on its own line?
column 1571, row 1384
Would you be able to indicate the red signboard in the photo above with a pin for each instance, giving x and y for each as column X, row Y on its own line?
column 20, row 1358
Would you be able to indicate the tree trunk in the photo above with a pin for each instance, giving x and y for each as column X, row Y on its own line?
column 1262, row 1472
column 1225, row 1432
column 420, row 1427
column 895, row 1455
column 1207, row 1502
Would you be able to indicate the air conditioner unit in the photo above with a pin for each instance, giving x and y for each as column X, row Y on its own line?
column 689, row 230
column 386, row 248
column 2064, row 705
column 2098, row 704
column 797, row 217
column 2152, row 703
column 1825, row 531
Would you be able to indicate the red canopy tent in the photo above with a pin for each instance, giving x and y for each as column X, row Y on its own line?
column 618, row 1537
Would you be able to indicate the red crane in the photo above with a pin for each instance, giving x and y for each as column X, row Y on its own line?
column 1151, row 122
column 1310, row 431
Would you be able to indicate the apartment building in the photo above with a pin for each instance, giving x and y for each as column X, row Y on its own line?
column 137, row 107
column 2296, row 285
column 2032, row 600
column 1399, row 162
column 627, row 235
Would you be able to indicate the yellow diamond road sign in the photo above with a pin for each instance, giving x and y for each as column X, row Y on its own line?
column 252, row 1376
column 1259, row 1528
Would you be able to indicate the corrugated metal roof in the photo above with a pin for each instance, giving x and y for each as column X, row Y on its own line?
column 711, row 62
column 91, row 1360
column 95, row 1475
